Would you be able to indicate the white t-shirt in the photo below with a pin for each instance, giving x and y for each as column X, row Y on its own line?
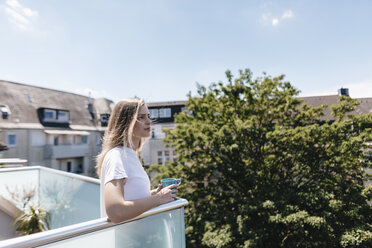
column 119, row 164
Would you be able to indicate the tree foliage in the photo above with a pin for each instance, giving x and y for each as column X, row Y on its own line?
column 261, row 169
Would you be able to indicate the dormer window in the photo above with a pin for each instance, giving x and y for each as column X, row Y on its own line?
column 63, row 116
column 165, row 113
column 104, row 118
column 160, row 113
column 154, row 113
column 54, row 117
column 50, row 115
column 5, row 111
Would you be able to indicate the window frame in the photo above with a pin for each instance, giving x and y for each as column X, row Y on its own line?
column 84, row 139
column 67, row 113
column 154, row 113
column 165, row 112
column 54, row 114
column 8, row 140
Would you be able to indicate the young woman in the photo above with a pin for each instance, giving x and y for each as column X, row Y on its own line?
column 125, row 187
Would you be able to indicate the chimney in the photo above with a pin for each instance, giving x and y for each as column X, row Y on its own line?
column 343, row 92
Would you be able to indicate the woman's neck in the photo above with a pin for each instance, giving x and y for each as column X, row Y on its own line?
column 135, row 141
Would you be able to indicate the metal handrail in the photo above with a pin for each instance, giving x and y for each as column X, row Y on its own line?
column 58, row 234
column 63, row 173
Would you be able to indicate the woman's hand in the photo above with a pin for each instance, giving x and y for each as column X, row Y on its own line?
column 166, row 194
column 155, row 191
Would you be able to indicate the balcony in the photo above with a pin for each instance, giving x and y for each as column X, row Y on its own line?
column 73, row 203
column 65, row 151
column 69, row 198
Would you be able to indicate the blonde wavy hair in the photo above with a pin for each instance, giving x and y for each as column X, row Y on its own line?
column 120, row 128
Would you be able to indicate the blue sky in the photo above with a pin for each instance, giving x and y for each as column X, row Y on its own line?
column 159, row 49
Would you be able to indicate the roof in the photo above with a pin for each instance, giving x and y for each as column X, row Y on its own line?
column 166, row 104
column 23, row 101
column 365, row 106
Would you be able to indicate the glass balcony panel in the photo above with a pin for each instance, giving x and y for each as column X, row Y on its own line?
column 19, row 182
column 68, row 199
column 162, row 230
column 73, row 199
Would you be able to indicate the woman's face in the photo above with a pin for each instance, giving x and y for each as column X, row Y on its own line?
column 142, row 127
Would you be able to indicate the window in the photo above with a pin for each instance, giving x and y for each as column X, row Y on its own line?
column 166, row 156
column 56, row 141
column 49, row 114
column 5, row 111
column 104, row 119
column 56, row 116
column 12, row 140
column 160, row 160
column 165, row 113
column 163, row 157
column 154, row 113
column 185, row 109
column 63, row 116
column 84, row 139
column 160, row 157
column 80, row 169
column 30, row 99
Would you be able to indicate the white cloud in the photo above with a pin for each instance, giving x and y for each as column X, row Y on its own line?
column 288, row 14
column 274, row 22
column 19, row 25
column 29, row 12
column 14, row 3
column 268, row 19
column 20, row 16
column 91, row 93
column 16, row 16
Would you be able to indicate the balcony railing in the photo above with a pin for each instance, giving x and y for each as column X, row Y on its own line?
column 73, row 203
column 69, row 198
column 65, row 151
column 159, row 227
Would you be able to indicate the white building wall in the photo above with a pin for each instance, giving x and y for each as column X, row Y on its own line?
column 30, row 145
column 38, row 138
column 155, row 144
column 21, row 148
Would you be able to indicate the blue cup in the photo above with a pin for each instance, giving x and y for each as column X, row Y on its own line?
column 170, row 181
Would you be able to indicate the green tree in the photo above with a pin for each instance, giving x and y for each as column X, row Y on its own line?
column 261, row 169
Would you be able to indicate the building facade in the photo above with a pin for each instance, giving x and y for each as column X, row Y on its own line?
column 155, row 150
column 52, row 128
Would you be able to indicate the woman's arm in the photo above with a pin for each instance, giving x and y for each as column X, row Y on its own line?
column 119, row 210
